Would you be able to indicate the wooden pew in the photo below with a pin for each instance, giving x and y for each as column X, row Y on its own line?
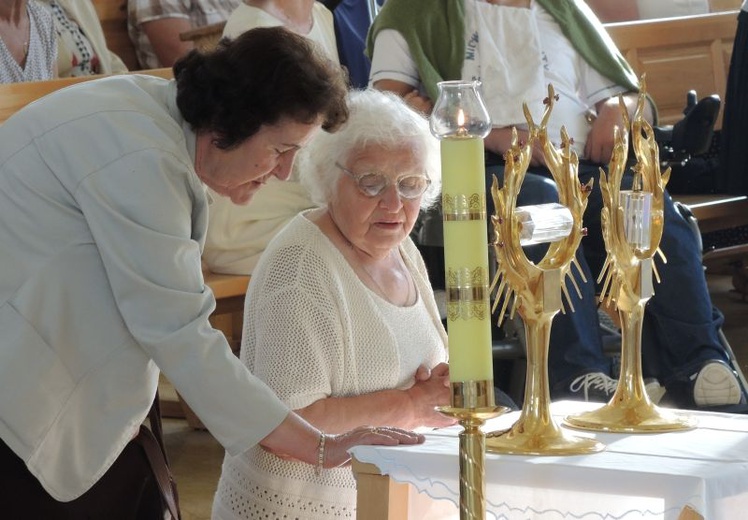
column 678, row 55
column 716, row 6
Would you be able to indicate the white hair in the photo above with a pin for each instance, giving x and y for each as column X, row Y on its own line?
column 376, row 118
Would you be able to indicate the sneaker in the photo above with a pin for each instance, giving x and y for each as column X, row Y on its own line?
column 592, row 386
column 716, row 384
column 654, row 390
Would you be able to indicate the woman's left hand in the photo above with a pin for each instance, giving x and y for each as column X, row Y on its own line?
column 337, row 446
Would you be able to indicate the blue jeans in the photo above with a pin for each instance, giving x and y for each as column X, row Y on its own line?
column 681, row 325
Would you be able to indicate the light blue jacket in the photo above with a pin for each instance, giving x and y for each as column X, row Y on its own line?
column 102, row 221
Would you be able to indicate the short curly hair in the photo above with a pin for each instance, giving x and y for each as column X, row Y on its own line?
column 264, row 75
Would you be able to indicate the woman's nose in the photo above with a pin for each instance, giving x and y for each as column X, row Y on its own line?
column 390, row 198
column 283, row 169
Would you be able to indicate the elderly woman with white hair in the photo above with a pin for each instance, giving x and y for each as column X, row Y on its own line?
column 340, row 318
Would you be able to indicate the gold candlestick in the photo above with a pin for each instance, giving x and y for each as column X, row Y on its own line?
column 632, row 237
column 535, row 290
column 460, row 120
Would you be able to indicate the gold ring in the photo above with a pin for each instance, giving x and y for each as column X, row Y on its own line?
column 375, row 430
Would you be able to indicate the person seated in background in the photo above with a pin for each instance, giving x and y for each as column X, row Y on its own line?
column 77, row 48
column 155, row 25
column 81, row 46
column 342, row 324
column 28, row 44
column 237, row 235
column 518, row 47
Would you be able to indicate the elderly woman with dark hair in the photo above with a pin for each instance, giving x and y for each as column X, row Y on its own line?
column 342, row 324
column 101, row 283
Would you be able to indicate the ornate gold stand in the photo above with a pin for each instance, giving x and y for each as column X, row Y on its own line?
column 627, row 276
column 536, row 432
column 536, row 289
column 630, row 409
column 472, row 406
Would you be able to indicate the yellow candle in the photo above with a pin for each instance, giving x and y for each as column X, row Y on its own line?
column 466, row 259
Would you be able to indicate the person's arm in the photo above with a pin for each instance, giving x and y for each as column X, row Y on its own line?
column 297, row 439
column 393, row 70
column 600, row 140
column 408, row 409
column 163, row 34
column 411, row 96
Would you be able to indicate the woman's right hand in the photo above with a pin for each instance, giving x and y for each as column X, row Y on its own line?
column 337, row 446
column 431, row 389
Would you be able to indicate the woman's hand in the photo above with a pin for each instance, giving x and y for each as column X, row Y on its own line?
column 499, row 140
column 431, row 389
column 337, row 446
column 599, row 146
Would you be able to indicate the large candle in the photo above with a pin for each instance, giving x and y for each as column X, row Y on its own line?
column 460, row 120
column 466, row 259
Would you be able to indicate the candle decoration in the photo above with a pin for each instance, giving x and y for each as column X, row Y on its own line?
column 535, row 290
column 460, row 120
column 632, row 223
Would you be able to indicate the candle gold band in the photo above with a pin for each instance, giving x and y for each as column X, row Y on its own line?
column 467, row 294
column 464, row 207
column 461, row 217
column 472, row 394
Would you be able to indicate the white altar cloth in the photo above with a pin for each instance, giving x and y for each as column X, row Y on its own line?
column 637, row 476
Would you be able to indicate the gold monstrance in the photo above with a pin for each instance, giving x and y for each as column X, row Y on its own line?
column 535, row 290
column 632, row 223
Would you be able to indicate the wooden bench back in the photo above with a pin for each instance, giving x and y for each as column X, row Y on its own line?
column 15, row 96
column 678, row 55
column 113, row 18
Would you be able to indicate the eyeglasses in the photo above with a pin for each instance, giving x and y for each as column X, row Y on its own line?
column 372, row 184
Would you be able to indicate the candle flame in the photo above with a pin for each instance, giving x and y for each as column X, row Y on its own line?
column 460, row 118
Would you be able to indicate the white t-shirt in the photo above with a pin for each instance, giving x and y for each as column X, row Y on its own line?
column 578, row 85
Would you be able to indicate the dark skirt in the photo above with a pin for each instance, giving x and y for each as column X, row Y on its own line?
column 127, row 491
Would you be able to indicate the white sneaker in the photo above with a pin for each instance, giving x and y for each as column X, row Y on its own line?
column 654, row 390
column 716, row 385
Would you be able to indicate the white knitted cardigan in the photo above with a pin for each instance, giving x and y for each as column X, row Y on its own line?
column 314, row 330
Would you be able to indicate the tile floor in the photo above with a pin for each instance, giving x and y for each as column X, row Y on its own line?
column 196, row 457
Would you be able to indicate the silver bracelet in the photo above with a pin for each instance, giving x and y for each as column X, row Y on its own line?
column 320, row 453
